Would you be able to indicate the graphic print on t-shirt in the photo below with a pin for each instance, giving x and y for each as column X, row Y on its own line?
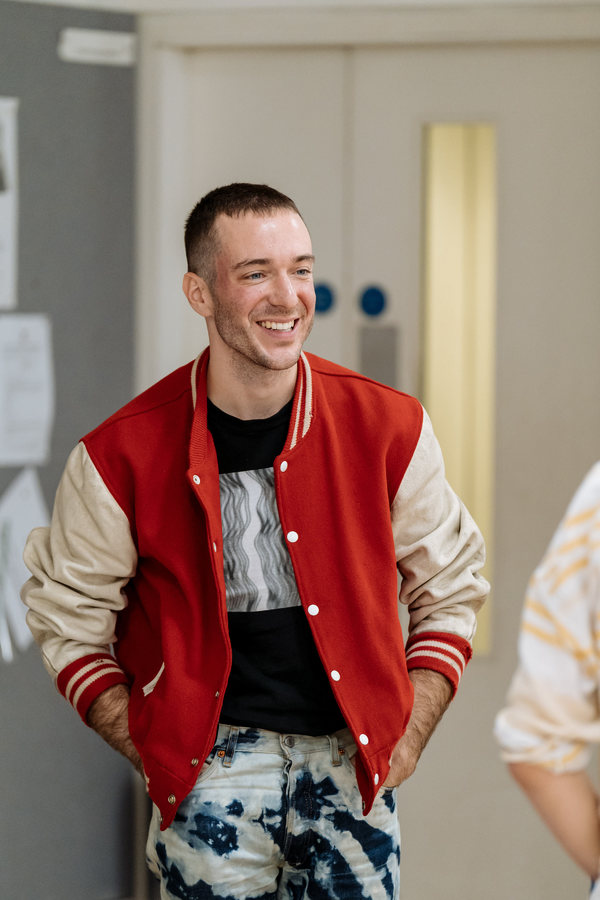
column 258, row 568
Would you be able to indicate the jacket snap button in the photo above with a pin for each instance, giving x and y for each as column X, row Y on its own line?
column 335, row 675
column 195, row 761
column 292, row 536
column 283, row 466
column 363, row 739
column 196, row 479
column 313, row 610
column 172, row 799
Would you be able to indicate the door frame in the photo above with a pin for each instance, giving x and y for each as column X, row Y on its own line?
column 164, row 39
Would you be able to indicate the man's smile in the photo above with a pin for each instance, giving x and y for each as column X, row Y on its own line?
column 277, row 326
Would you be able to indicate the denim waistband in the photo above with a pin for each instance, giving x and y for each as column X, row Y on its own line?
column 232, row 738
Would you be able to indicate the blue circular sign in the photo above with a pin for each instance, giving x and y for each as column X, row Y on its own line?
column 324, row 297
column 373, row 301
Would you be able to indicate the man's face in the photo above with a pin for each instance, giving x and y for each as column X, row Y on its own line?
column 263, row 297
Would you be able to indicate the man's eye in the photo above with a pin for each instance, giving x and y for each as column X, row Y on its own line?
column 254, row 276
column 304, row 272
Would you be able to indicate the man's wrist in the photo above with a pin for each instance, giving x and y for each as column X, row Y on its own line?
column 108, row 716
column 432, row 696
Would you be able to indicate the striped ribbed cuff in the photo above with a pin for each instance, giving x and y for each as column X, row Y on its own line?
column 83, row 680
column 445, row 653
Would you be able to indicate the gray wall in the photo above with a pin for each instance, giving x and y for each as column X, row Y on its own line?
column 65, row 827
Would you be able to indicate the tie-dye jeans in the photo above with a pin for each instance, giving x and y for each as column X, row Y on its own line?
column 276, row 816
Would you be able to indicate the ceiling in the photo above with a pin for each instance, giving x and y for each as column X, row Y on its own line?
column 173, row 6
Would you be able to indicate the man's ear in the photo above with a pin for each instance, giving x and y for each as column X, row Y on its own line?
column 198, row 294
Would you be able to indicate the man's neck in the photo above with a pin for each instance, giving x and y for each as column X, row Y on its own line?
column 258, row 398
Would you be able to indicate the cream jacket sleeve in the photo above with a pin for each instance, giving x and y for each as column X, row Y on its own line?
column 79, row 565
column 439, row 552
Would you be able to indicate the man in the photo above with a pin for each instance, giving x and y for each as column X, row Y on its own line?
column 233, row 533
column 551, row 721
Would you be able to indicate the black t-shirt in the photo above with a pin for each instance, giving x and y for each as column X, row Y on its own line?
column 277, row 680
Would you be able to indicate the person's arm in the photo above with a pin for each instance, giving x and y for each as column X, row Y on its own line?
column 550, row 719
column 439, row 552
column 433, row 693
column 568, row 804
column 108, row 716
column 79, row 568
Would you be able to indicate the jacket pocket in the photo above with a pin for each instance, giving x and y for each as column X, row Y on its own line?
column 148, row 688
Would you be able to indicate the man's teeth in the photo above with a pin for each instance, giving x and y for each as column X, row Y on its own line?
column 278, row 326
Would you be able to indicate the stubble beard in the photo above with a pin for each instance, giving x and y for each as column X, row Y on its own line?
column 248, row 360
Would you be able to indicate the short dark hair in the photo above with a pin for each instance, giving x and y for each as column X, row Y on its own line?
column 230, row 200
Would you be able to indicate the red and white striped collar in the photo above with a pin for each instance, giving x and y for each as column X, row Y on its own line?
column 303, row 404
column 302, row 408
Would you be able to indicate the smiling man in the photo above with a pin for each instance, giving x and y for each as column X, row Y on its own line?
column 258, row 299
column 217, row 593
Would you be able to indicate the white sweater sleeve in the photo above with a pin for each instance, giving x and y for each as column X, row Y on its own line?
column 552, row 711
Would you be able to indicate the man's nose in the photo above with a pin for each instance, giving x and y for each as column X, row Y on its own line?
column 285, row 293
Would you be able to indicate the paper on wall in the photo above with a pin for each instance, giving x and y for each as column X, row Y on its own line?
column 26, row 389
column 8, row 202
column 22, row 508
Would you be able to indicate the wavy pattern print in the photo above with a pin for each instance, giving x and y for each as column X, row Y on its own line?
column 258, row 568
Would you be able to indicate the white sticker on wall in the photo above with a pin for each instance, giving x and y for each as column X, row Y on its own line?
column 9, row 198
column 22, row 507
column 97, row 47
column 26, row 389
